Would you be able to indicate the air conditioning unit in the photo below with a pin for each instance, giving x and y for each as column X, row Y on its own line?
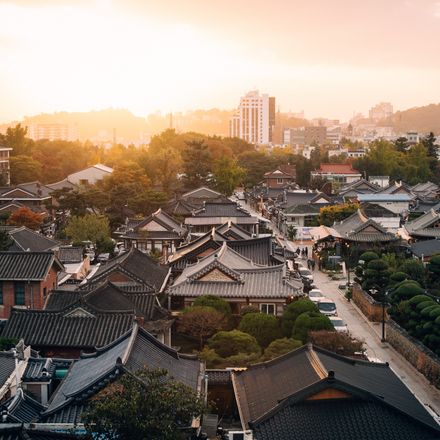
column 240, row 435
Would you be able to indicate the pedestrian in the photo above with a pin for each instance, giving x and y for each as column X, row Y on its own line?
column 298, row 251
column 307, row 251
column 313, row 264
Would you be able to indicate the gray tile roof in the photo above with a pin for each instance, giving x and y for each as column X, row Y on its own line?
column 71, row 254
column 38, row 369
column 229, row 209
column 22, row 408
column 361, row 416
column 132, row 351
column 85, row 329
column 427, row 248
column 7, row 366
column 137, row 265
column 232, row 231
column 246, row 279
column 423, row 222
column 27, row 240
column 26, row 266
column 262, row 386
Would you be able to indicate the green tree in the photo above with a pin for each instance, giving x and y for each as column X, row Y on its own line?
column 263, row 327
column 414, row 269
column 24, row 169
column 145, row 405
column 234, row 342
column 292, row 311
column 227, row 175
column 201, row 322
column 196, row 163
column 310, row 321
column 401, row 144
column 5, row 240
column 89, row 227
column 278, row 347
column 376, row 275
column 328, row 215
column 215, row 302
column 16, row 139
column 434, row 271
column 418, row 165
column 255, row 163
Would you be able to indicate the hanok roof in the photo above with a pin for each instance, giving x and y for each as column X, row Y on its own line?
column 71, row 254
column 39, row 370
column 7, row 366
column 228, row 274
column 21, row 408
column 25, row 239
column 233, row 231
column 423, row 222
column 278, row 174
column 294, row 198
column 345, row 413
column 395, row 188
column 336, row 168
column 131, row 352
column 377, row 198
column 303, row 210
column 108, row 297
column 137, row 265
column 361, row 186
column 261, row 387
column 27, row 191
column 79, row 327
column 426, row 248
column 157, row 224
column 426, row 189
column 229, row 209
column 27, row 266
column 203, row 193
column 258, row 249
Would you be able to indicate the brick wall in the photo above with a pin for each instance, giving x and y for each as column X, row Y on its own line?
column 35, row 293
column 371, row 308
column 423, row 359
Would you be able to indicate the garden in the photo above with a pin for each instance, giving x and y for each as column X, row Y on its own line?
column 222, row 340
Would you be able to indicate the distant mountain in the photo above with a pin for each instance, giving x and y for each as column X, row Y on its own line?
column 421, row 119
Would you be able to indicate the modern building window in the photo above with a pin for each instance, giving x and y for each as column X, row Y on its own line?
column 267, row 308
column 19, row 294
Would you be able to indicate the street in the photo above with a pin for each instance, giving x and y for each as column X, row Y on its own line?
column 368, row 332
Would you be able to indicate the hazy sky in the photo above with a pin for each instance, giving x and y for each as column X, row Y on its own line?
column 328, row 58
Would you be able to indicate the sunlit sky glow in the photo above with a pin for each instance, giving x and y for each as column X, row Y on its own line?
column 328, row 58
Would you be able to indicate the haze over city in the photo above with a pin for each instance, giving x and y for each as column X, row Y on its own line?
column 326, row 58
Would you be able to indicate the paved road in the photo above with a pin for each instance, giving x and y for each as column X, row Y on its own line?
column 370, row 333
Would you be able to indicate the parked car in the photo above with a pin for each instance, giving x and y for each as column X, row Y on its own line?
column 327, row 307
column 338, row 324
column 306, row 274
column 316, row 295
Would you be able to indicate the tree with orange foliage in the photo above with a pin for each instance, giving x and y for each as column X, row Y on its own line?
column 25, row 217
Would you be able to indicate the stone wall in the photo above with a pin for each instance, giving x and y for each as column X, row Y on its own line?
column 423, row 359
column 371, row 308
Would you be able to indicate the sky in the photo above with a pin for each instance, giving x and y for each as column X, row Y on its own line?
column 328, row 58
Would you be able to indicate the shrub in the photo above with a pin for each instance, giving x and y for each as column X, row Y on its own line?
column 414, row 269
column 406, row 290
column 292, row 311
column 397, row 277
column 368, row 256
column 231, row 343
column 215, row 302
column 338, row 342
column 279, row 347
column 248, row 309
column 309, row 321
column 264, row 328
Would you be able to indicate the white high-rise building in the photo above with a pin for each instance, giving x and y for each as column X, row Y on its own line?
column 255, row 119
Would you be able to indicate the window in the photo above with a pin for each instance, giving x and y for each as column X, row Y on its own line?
column 267, row 308
column 19, row 294
column 280, row 180
column 1, row 293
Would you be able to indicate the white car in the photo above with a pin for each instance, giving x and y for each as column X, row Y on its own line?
column 338, row 324
column 327, row 307
column 305, row 273
column 316, row 295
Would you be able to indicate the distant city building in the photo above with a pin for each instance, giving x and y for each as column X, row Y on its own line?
column 333, row 135
column 254, row 120
column 5, row 175
column 413, row 137
column 381, row 111
column 294, row 136
column 52, row 132
column 315, row 135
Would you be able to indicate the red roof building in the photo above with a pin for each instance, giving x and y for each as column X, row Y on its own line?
column 337, row 172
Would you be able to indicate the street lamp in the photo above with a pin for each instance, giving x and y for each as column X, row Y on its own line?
column 383, row 296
